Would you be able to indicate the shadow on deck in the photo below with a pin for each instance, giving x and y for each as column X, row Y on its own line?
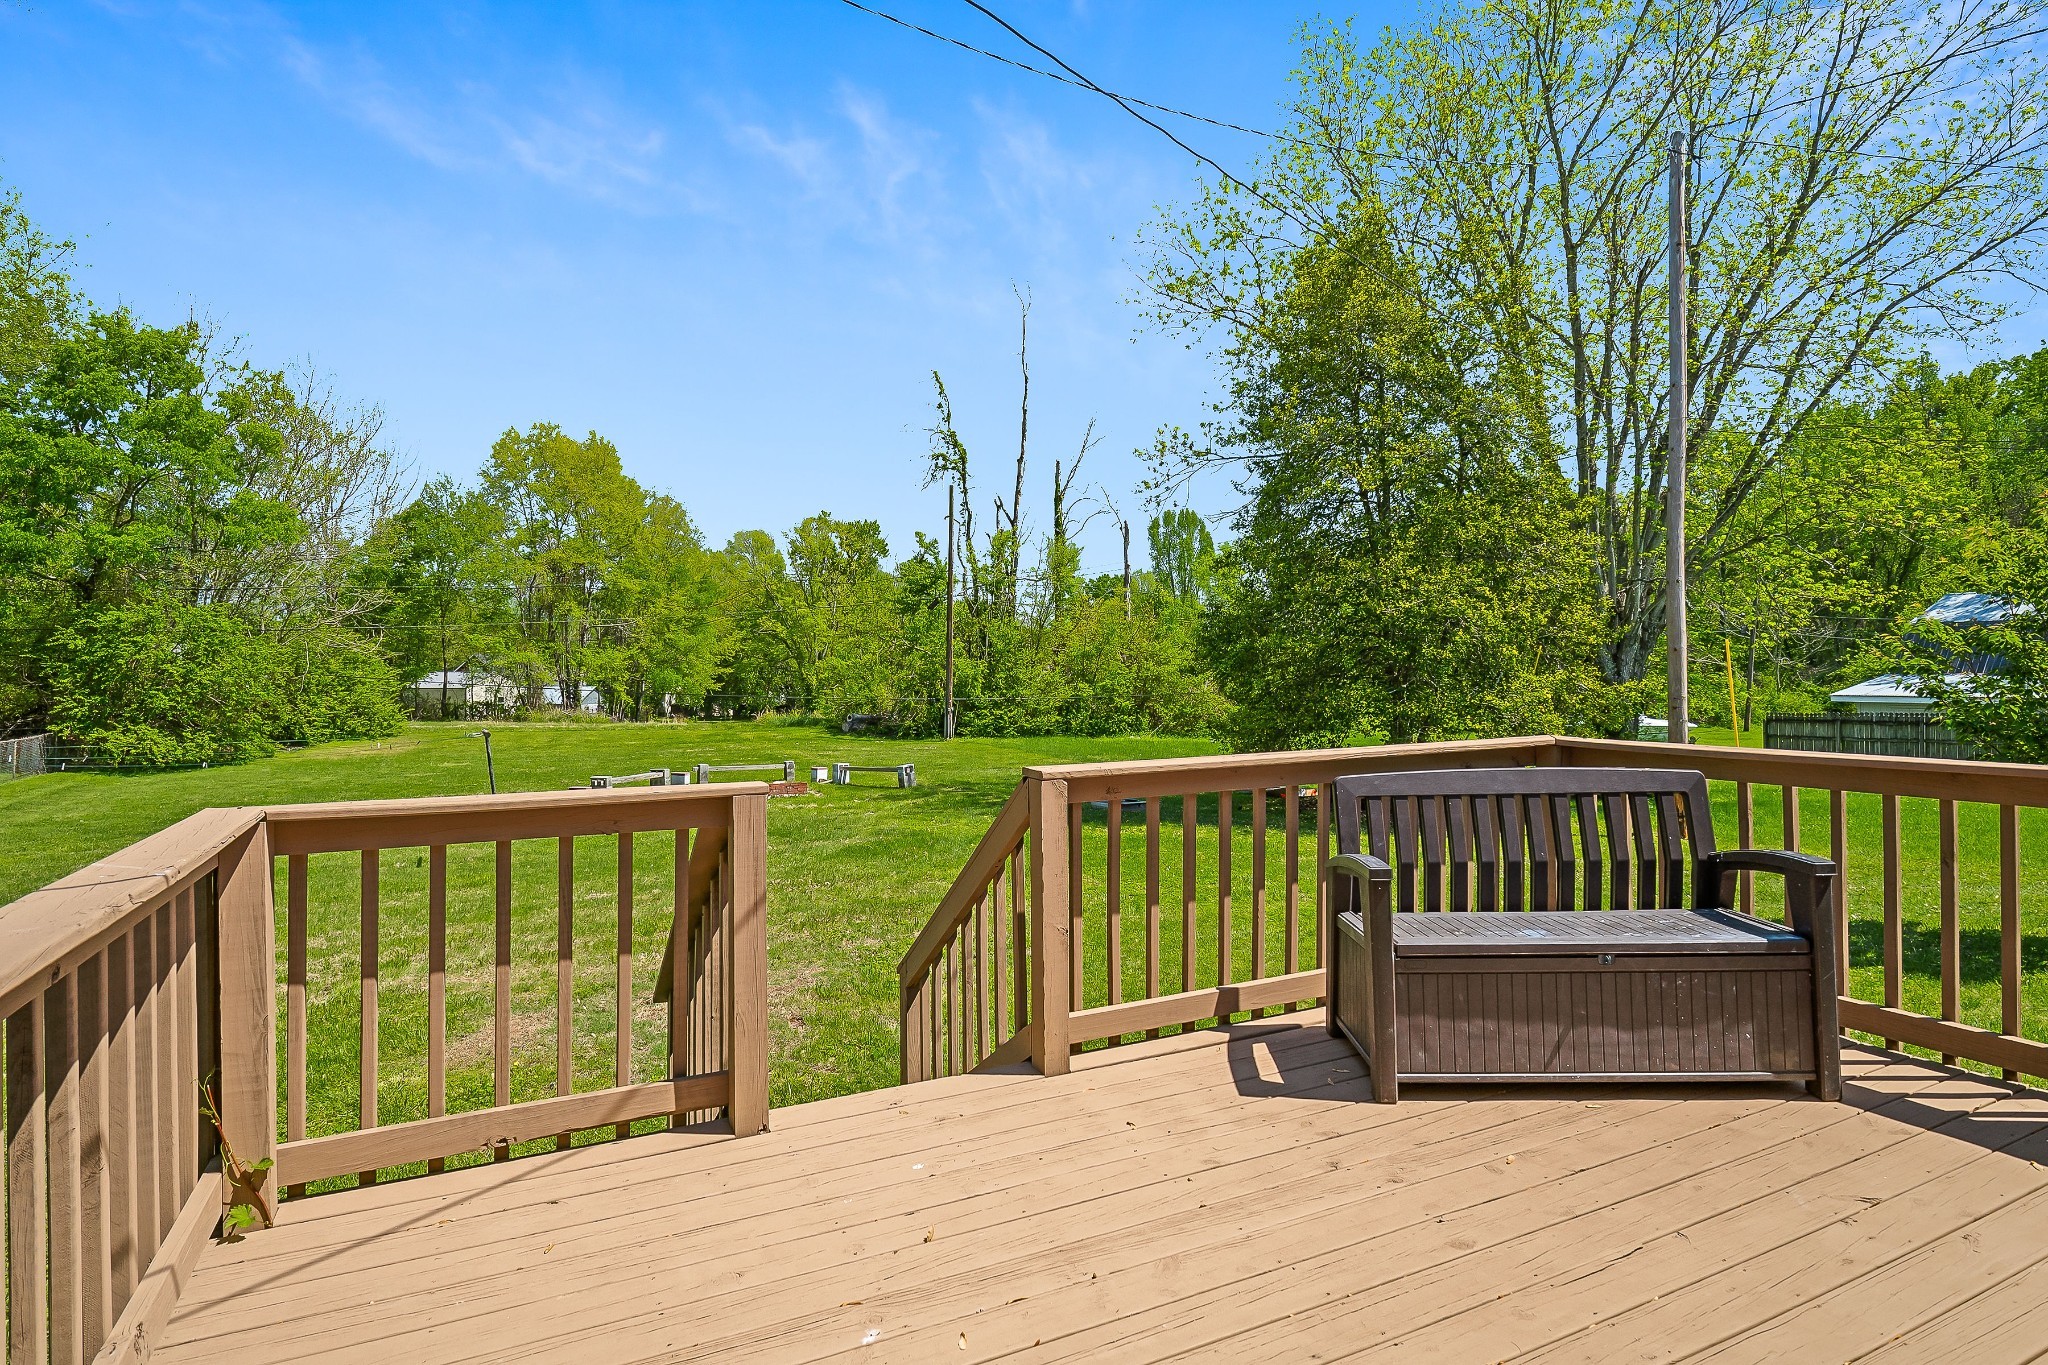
column 1224, row 1195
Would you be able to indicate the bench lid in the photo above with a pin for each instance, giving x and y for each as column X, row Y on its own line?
column 1543, row 932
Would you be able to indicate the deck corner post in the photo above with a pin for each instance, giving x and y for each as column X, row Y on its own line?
column 1050, row 927
column 247, row 1084
column 747, row 1017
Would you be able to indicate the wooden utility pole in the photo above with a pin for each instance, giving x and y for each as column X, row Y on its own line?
column 1126, row 528
column 1675, row 645
column 946, row 721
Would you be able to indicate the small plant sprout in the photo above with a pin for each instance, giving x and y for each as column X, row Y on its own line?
column 248, row 1206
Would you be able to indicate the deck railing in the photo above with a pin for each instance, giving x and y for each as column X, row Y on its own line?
column 137, row 985
column 1110, row 942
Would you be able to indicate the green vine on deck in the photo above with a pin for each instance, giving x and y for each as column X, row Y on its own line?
column 247, row 1207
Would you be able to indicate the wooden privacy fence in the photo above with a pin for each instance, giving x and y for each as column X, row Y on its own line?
column 1110, row 900
column 129, row 983
column 1843, row 732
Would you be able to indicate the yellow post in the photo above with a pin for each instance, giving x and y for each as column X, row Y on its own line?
column 1734, row 717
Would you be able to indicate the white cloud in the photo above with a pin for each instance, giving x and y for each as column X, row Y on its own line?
column 562, row 128
column 870, row 172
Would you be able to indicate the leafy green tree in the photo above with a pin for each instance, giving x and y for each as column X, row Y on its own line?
column 1183, row 554
column 440, row 569
column 609, row 585
column 2004, row 712
column 37, row 301
column 1864, row 174
column 155, row 681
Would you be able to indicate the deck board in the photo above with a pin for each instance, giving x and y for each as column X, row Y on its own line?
column 1225, row 1196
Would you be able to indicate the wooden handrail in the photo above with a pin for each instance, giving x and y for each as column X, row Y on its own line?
column 1949, row 779
column 1004, row 833
column 348, row 826
column 1240, row 772
column 49, row 933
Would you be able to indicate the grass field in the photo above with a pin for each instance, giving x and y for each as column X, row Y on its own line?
column 853, row 875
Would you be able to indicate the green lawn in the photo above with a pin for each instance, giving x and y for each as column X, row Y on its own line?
column 853, row 875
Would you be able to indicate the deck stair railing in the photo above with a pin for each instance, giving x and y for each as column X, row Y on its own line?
column 1199, row 879
column 1070, row 926
column 128, row 984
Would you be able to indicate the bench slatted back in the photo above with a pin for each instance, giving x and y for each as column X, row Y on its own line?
column 1531, row 838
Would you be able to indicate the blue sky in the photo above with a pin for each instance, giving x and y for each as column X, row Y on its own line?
column 735, row 238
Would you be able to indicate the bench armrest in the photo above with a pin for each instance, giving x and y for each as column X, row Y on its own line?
column 1363, row 866
column 1809, row 883
column 1810, row 893
column 1778, row 860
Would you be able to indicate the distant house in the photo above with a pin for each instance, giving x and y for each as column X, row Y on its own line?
column 552, row 696
column 456, row 689
column 1899, row 692
column 1887, row 692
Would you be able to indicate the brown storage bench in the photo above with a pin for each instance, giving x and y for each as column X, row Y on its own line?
column 1515, row 924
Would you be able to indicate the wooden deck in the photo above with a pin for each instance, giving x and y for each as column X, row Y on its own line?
column 1223, row 1196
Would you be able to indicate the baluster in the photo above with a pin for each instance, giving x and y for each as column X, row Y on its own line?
column 1745, row 837
column 1077, row 930
column 437, row 987
column 935, row 1017
column 501, row 992
column 1951, row 928
column 1020, row 944
column 1325, row 795
column 96, row 1163
column 2009, row 940
column 962, row 1061
column 166, row 1052
column 1152, row 899
column 65, row 1155
column 367, row 1082
column 1225, row 803
column 295, row 1004
column 1113, row 907
column 142, row 970
column 979, row 1046
column 622, row 983
column 998, row 967
column 1789, row 798
column 184, row 930
column 1838, row 849
column 1291, row 961
column 1190, row 827
column 1258, row 883
column 206, row 929
column 121, row 1139
column 1894, row 943
column 28, row 1321
column 678, row 984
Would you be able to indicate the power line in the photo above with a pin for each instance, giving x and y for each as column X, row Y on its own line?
column 1056, row 76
